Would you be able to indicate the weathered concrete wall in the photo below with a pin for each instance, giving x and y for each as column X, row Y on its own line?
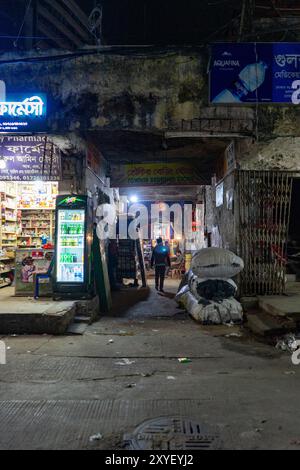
column 281, row 153
column 278, row 144
column 221, row 221
column 114, row 91
column 136, row 91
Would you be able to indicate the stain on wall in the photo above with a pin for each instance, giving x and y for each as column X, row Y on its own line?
column 136, row 91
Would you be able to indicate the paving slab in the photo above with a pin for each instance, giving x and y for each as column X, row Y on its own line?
column 68, row 424
column 266, row 325
column 281, row 306
column 20, row 315
column 68, row 388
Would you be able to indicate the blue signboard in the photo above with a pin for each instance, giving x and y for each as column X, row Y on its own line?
column 254, row 72
column 23, row 113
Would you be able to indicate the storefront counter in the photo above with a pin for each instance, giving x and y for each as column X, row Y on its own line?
column 29, row 262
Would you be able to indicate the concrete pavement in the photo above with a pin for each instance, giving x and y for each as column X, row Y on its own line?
column 55, row 392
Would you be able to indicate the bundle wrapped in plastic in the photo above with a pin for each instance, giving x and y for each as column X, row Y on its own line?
column 207, row 292
column 210, row 312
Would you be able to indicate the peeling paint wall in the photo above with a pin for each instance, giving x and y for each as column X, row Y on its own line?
column 281, row 153
column 278, row 144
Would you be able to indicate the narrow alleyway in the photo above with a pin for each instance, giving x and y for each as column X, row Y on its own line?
column 149, row 303
column 58, row 391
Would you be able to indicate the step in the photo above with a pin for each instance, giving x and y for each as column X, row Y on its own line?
column 82, row 319
column 290, row 278
column 265, row 325
column 77, row 329
column 283, row 306
column 249, row 303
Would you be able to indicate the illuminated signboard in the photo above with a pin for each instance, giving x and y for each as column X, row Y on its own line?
column 29, row 158
column 254, row 72
column 19, row 113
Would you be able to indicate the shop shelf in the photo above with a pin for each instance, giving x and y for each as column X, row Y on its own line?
column 71, row 246
column 71, row 263
column 7, row 271
column 72, row 236
column 72, row 222
column 4, row 284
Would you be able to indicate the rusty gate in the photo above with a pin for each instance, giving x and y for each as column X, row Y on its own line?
column 263, row 221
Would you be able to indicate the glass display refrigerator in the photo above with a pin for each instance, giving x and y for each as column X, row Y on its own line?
column 73, row 237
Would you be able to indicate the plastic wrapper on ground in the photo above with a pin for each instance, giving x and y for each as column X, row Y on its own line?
column 289, row 342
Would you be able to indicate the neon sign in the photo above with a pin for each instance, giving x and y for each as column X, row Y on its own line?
column 19, row 113
column 29, row 106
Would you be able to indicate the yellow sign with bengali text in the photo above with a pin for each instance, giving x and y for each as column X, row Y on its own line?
column 154, row 174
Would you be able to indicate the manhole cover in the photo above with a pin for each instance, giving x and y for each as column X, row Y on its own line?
column 173, row 433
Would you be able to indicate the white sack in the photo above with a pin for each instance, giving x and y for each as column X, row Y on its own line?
column 216, row 263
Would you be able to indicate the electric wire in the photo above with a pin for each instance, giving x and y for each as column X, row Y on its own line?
column 21, row 27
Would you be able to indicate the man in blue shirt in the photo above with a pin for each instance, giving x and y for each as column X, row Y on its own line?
column 161, row 259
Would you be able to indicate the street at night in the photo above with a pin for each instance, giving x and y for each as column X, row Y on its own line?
column 149, row 230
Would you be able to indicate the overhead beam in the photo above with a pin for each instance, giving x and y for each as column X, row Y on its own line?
column 76, row 25
column 60, row 42
column 199, row 135
column 59, row 25
column 82, row 17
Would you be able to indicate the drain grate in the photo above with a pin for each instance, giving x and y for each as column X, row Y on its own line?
column 172, row 433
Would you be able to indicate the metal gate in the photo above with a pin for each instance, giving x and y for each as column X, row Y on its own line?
column 264, row 209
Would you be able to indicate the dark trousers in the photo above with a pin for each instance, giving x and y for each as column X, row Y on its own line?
column 160, row 276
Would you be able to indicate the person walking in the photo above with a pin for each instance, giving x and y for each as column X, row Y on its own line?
column 161, row 258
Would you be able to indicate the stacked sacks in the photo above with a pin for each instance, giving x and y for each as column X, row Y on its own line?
column 208, row 294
